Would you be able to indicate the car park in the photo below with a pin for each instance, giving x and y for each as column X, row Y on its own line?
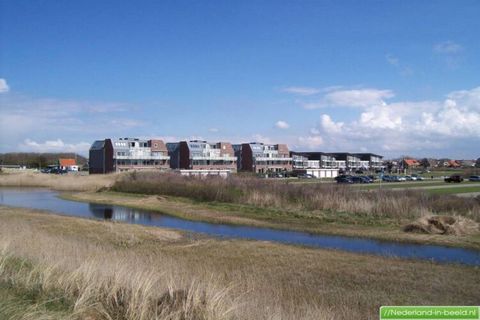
column 454, row 178
column 474, row 178
column 367, row 179
column 387, row 178
column 344, row 179
column 417, row 177
column 306, row 176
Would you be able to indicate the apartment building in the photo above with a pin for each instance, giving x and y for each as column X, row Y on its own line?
column 314, row 160
column 114, row 155
column 317, row 164
column 263, row 158
column 370, row 160
column 202, row 156
column 347, row 161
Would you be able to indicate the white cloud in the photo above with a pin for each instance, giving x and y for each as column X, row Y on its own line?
column 407, row 126
column 329, row 126
column 280, row 124
column 24, row 118
column 303, row 91
column 261, row 138
column 381, row 117
column 57, row 145
column 4, row 86
column 310, row 142
column 351, row 98
column 447, row 47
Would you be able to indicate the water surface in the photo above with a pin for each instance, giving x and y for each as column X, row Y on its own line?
column 48, row 200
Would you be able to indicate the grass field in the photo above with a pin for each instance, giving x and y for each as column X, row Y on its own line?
column 54, row 267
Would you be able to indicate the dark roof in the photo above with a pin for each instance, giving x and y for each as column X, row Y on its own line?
column 367, row 154
column 98, row 145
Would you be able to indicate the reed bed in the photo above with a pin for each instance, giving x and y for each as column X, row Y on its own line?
column 68, row 182
column 54, row 267
column 395, row 204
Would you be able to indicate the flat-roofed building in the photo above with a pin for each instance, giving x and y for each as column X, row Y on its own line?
column 262, row 158
column 347, row 161
column 201, row 155
column 114, row 155
column 314, row 159
column 370, row 160
column 317, row 164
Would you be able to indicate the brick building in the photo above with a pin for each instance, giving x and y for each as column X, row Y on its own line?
column 262, row 158
column 202, row 155
column 125, row 154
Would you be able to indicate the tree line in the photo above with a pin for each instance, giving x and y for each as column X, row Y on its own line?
column 38, row 160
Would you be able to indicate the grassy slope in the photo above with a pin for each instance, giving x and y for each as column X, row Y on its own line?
column 340, row 223
column 264, row 280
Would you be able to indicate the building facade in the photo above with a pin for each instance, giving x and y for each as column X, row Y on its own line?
column 263, row 158
column 125, row 154
column 347, row 161
column 314, row 159
column 201, row 156
column 370, row 160
column 316, row 164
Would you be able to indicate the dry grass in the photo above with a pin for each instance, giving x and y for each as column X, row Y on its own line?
column 447, row 225
column 69, row 182
column 328, row 222
column 404, row 204
column 69, row 268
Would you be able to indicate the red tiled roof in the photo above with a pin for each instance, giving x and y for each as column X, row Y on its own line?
column 411, row 162
column 67, row 162
column 453, row 163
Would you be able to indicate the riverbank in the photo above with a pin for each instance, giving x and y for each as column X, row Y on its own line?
column 329, row 222
column 67, row 182
column 71, row 268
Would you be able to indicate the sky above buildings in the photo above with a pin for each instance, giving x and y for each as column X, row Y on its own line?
column 389, row 77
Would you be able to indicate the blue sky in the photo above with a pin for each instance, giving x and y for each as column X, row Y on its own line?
column 391, row 77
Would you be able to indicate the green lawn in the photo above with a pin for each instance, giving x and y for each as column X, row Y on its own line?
column 454, row 190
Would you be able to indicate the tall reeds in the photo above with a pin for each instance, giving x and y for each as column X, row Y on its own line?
column 289, row 196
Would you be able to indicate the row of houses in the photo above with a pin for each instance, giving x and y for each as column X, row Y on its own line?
column 411, row 163
column 114, row 155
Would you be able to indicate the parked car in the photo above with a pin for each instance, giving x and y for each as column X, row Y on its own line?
column 454, row 178
column 387, row 178
column 344, row 179
column 342, row 176
column 368, row 179
column 474, row 178
column 58, row 171
column 417, row 177
column 306, row 176
column 359, row 171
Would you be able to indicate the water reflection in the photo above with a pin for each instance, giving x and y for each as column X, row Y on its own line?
column 109, row 212
column 48, row 200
